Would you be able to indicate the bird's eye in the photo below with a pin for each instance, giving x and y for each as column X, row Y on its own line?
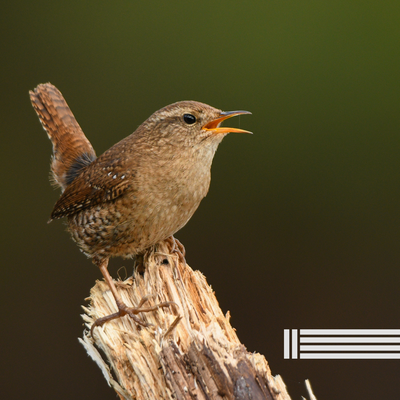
column 189, row 119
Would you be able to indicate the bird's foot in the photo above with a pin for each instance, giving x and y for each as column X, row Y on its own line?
column 178, row 248
column 131, row 311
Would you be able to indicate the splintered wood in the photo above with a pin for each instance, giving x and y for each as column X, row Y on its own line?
column 190, row 351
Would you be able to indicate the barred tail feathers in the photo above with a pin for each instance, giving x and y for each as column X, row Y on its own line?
column 71, row 149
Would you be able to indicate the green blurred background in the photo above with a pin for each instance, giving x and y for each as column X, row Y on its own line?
column 301, row 226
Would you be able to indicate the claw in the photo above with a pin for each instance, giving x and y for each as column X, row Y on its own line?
column 123, row 309
column 178, row 248
column 132, row 312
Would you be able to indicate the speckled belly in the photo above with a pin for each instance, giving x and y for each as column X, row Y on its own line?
column 125, row 227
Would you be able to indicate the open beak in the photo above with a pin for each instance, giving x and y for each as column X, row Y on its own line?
column 214, row 125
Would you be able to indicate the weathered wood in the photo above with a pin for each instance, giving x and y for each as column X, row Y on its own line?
column 191, row 350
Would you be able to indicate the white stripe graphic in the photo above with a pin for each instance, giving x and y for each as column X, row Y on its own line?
column 350, row 356
column 342, row 344
column 350, row 339
column 341, row 347
column 286, row 345
column 349, row 331
column 294, row 343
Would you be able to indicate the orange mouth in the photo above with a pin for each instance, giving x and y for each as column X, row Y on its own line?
column 214, row 125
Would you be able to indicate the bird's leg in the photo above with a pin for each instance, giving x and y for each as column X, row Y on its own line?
column 177, row 247
column 123, row 309
column 181, row 247
column 139, row 264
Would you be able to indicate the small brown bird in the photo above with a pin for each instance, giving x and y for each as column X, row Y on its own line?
column 140, row 191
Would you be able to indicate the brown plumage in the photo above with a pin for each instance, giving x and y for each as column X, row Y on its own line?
column 71, row 149
column 140, row 191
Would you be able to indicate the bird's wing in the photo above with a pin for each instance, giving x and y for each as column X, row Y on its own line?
column 97, row 183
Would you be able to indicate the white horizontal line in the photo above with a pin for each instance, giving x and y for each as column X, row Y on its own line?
column 350, row 339
column 354, row 356
column 341, row 347
column 349, row 331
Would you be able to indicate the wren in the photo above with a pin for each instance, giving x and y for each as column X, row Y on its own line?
column 140, row 191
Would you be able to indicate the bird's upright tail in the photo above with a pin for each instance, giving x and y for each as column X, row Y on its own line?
column 72, row 151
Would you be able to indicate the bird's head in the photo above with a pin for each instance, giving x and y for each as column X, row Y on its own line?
column 190, row 123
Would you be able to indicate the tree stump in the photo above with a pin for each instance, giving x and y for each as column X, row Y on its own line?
column 190, row 350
